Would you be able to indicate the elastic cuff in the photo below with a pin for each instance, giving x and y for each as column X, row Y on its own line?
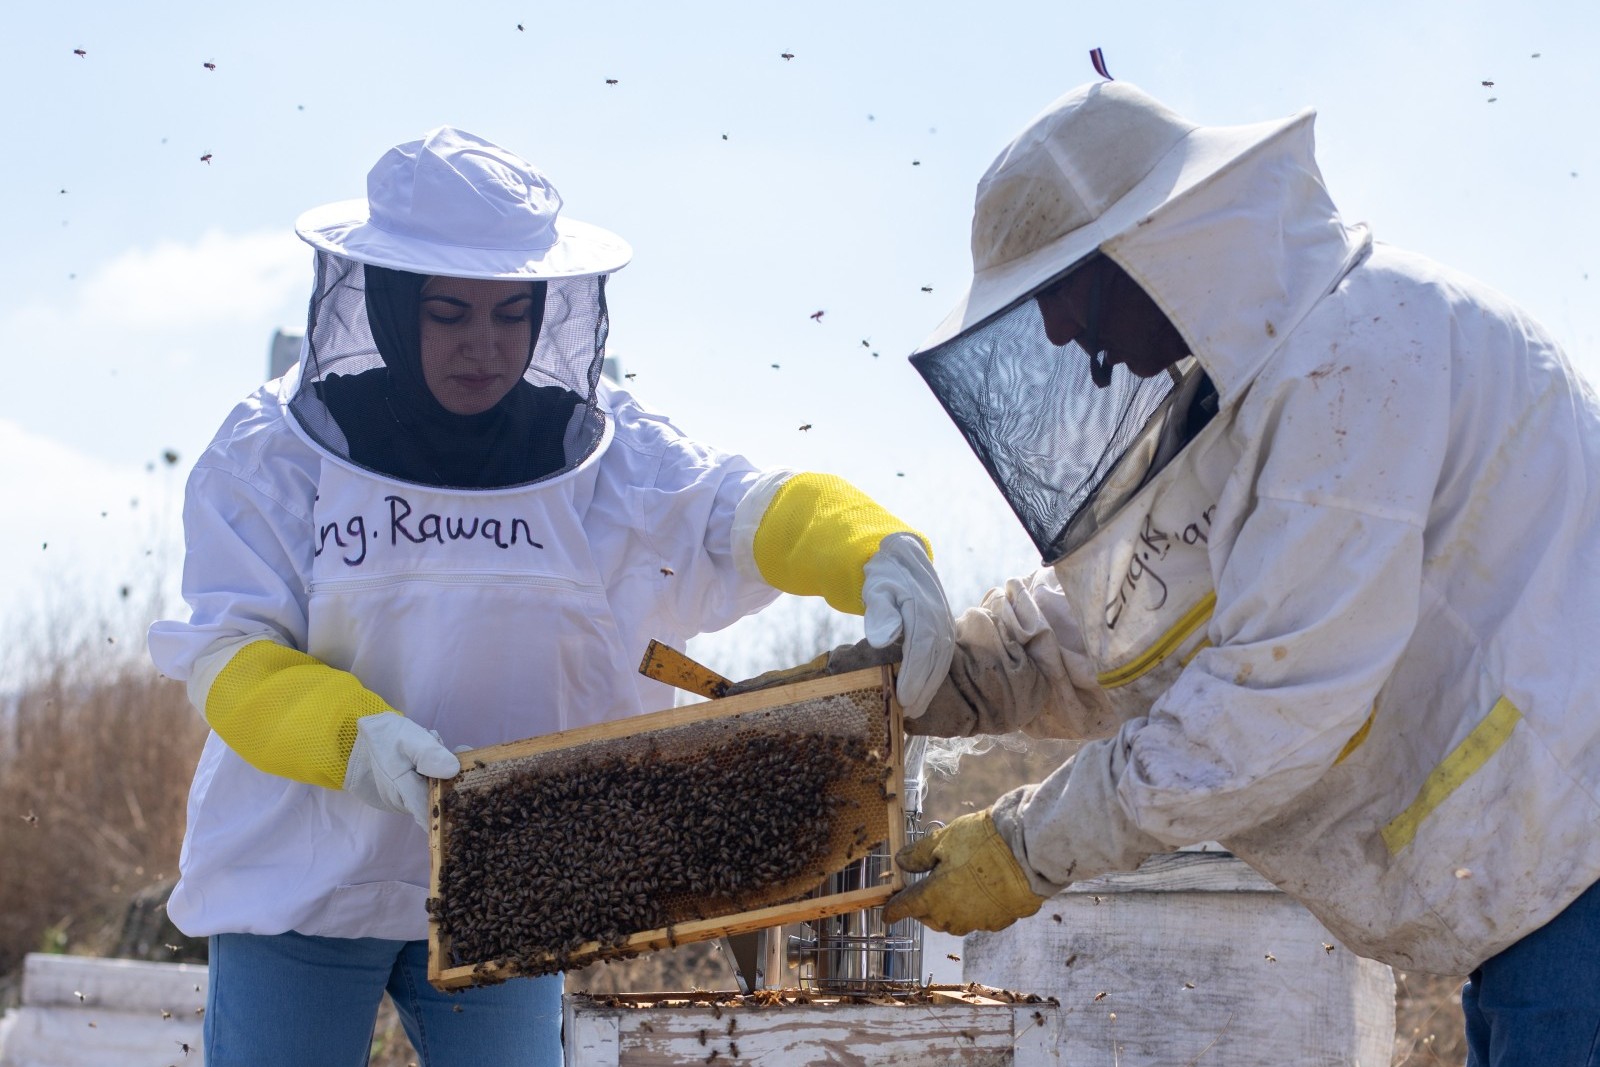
column 747, row 518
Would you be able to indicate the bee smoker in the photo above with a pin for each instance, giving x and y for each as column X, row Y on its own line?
column 857, row 952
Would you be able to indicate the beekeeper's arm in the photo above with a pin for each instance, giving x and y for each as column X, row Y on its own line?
column 1316, row 601
column 1019, row 665
column 284, row 712
column 816, row 534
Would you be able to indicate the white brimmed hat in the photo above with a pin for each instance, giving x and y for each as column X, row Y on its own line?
column 1092, row 165
column 454, row 204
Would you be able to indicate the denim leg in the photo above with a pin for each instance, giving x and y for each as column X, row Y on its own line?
column 1537, row 1004
column 289, row 998
column 516, row 1023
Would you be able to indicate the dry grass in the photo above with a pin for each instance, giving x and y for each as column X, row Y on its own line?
column 96, row 752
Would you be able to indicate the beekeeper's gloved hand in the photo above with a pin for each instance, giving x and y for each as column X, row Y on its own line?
column 905, row 601
column 973, row 882
column 391, row 762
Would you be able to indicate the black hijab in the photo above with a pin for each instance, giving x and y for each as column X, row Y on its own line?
column 394, row 425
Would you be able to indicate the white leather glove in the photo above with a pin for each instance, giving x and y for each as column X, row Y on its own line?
column 392, row 759
column 904, row 600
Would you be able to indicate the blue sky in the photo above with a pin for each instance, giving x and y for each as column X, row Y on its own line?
column 140, row 286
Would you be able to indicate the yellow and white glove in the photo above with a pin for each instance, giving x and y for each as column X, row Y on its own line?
column 818, row 535
column 973, row 882
column 287, row 713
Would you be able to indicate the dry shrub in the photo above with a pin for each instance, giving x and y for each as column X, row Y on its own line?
column 96, row 754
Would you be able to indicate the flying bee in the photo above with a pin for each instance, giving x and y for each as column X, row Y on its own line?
column 927, row 288
column 209, row 65
column 80, row 53
column 206, row 158
column 787, row 55
column 611, row 81
column 805, row 426
column 668, row 572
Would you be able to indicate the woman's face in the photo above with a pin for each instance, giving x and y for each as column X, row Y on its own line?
column 476, row 337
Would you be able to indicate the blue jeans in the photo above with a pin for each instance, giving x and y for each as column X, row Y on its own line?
column 1537, row 1004
column 292, row 999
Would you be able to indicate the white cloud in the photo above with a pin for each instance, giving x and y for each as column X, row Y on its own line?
column 79, row 528
column 150, row 350
column 220, row 278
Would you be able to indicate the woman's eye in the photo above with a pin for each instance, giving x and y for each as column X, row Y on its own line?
column 444, row 319
column 511, row 318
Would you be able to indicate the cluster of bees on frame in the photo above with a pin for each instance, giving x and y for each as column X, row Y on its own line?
column 544, row 861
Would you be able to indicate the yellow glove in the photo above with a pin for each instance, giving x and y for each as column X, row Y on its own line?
column 974, row 882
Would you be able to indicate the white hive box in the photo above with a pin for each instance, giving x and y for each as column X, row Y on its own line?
column 79, row 1011
column 1194, row 958
column 945, row 1026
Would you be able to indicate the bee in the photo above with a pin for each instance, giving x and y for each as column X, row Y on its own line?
column 209, row 65
column 724, row 137
column 1057, row 918
column 80, row 995
column 816, row 316
column 187, row 1048
column 1487, row 84
column 631, row 376
column 805, row 426
column 774, row 366
column 171, row 948
column 31, row 819
column 1098, row 997
column 1271, row 958
column 952, row 956
column 1071, row 960
column 165, row 1014
column 916, row 162
column 927, row 288
column 787, row 55
column 80, row 53
column 1188, row 985
column 457, row 1008
column 206, row 158
column 611, row 81
column 519, row 27
column 667, row 572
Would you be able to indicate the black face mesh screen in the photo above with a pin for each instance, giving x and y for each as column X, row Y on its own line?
column 1046, row 433
column 537, row 420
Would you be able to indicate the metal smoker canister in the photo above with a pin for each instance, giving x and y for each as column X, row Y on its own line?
column 857, row 952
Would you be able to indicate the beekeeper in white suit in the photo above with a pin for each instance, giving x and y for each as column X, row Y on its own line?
column 1321, row 522
column 441, row 529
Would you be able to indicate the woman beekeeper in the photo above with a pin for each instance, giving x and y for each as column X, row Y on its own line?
column 440, row 529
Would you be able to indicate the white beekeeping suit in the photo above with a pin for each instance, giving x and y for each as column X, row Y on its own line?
column 440, row 529
column 1337, row 616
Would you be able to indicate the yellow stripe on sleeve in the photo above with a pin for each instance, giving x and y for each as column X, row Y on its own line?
column 1462, row 763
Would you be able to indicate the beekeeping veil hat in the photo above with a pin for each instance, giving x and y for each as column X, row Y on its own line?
column 453, row 205
column 1099, row 162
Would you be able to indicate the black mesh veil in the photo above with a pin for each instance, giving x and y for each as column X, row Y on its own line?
column 374, row 404
column 1064, row 451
